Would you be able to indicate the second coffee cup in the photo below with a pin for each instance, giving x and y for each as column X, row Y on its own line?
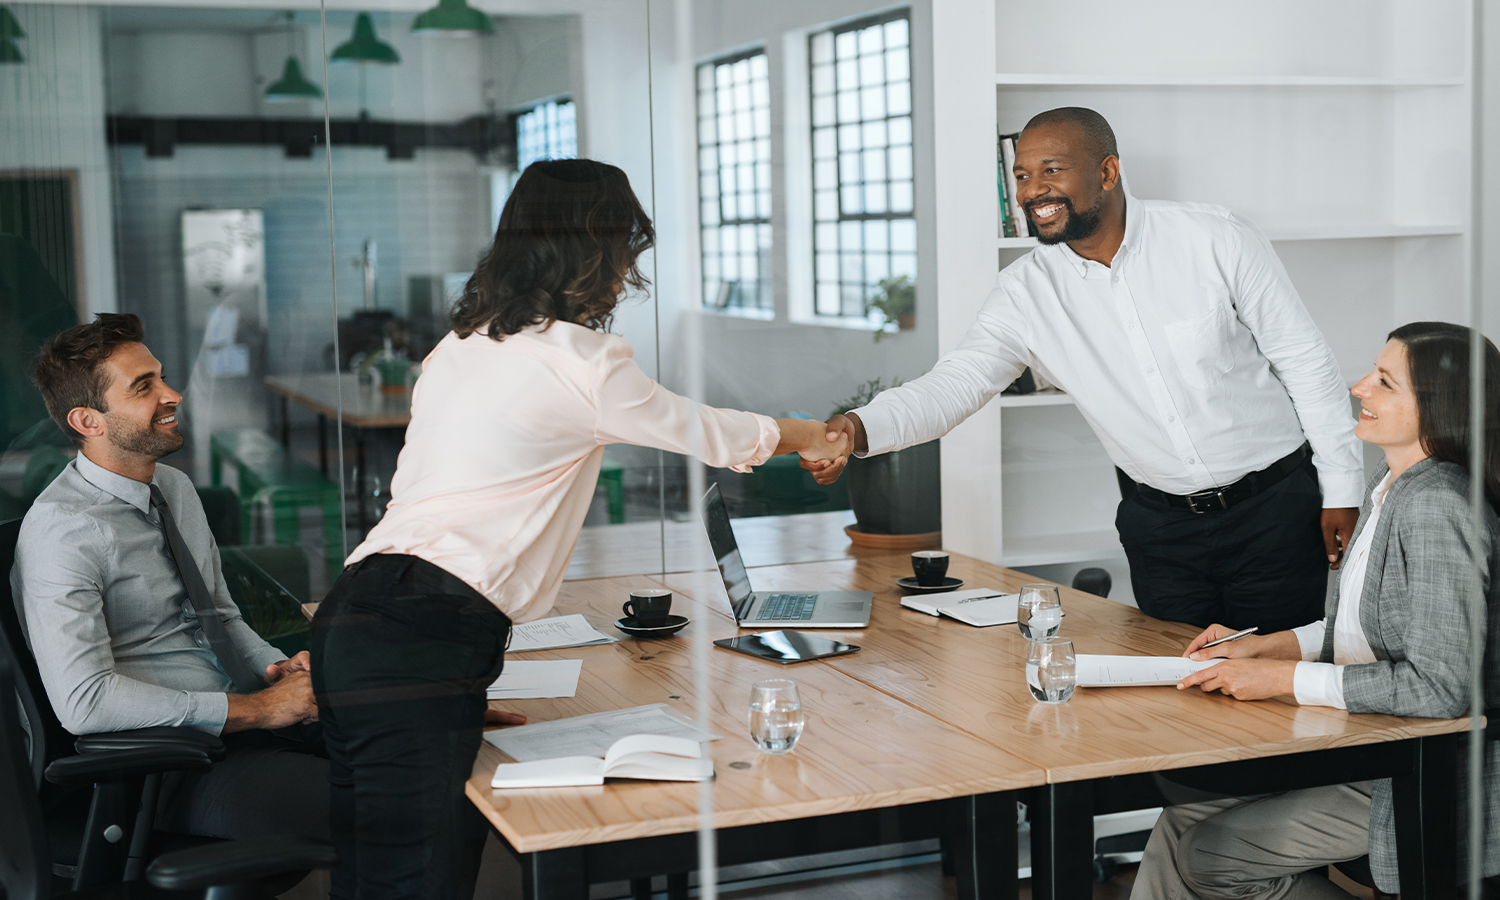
column 930, row 567
column 649, row 607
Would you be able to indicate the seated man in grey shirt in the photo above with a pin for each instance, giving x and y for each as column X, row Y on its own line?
column 119, row 587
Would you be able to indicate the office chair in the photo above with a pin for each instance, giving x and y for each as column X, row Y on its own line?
column 1093, row 580
column 98, row 832
column 228, row 870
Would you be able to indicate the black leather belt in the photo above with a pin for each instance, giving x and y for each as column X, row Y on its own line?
column 1219, row 499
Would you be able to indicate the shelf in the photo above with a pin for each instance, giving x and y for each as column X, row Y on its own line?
column 1048, row 79
column 1047, row 549
column 1351, row 232
column 1042, row 398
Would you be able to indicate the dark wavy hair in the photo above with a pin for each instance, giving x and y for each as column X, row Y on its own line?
column 565, row 249
column 70, row 367
column 1437, row 355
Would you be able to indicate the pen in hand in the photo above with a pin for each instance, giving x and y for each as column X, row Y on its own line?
column 1231, row 637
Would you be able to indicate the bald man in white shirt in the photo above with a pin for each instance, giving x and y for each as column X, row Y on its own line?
column 1180, row 338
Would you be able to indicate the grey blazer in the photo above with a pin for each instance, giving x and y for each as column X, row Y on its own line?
column 1412, row 613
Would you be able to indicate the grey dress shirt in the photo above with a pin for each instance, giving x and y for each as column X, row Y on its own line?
column 106, row 613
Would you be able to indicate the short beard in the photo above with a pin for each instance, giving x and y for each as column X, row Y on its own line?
column 147, row 442
column 1079, row 225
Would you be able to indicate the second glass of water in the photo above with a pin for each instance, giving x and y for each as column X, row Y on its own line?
column 775, row 715
column 1051, row 670
column 1039, row 611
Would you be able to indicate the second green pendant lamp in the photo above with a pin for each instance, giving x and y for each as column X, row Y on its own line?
column 363, row 46
column 453, row 18
column 292, row 85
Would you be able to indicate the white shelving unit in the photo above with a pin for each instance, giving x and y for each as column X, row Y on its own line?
column 1346, row 139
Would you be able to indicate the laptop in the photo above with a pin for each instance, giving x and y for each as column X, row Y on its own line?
column 753, row 609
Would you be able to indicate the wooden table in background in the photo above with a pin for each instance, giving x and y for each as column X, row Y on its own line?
column 869, row 769
column 339, row 397
column 972, row 679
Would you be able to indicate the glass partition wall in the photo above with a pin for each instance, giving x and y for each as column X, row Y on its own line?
column 292, row 199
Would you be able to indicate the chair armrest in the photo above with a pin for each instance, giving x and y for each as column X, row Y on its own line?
column 238, row 862
column 119, row 765
column 160, row 737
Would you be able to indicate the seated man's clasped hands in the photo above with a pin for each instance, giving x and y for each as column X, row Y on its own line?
column 121, row 593
column 1395, row 640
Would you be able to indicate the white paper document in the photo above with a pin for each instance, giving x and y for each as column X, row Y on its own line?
column 536, row 679
column 1135, row 671
column 932, row 603
column 554, row 633
column 592, row 735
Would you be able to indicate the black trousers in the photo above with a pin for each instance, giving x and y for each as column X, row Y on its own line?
column 266, row 784
column 401, row 654
column 1261, row 562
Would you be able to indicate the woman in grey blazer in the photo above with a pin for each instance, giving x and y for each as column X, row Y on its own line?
column 1395, row 640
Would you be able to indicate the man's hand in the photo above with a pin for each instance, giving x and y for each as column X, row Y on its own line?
column 1245, row 679
column 1281, row 645
column 1338, row 532
column 496, row 717
column 299, row 663
column 285, row 703
column 839, row 428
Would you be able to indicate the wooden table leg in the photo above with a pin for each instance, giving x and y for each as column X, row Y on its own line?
column 1062, row 841
column 554, row 875
column 1426, row 809
column 982, row 844
column 322, row 444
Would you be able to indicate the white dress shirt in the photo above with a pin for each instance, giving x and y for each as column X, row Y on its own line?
column 1191, row 356
column 1322, row 684
column 503, row 452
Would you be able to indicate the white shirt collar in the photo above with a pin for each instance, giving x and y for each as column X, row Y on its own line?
column 1133, row 226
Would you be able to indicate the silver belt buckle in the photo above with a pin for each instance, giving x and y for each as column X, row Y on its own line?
column 1214, row 496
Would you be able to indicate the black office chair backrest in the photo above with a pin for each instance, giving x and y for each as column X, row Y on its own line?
column 25, row 862
column 49, row 740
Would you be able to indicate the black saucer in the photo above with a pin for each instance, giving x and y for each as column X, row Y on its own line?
column 673, row 625
column 909, row 583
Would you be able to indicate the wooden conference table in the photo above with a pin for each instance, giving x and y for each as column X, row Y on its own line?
column 929, row 731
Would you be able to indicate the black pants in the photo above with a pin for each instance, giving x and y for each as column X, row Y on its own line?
column 266, row 784
column 401, row 654
column 1261, row 562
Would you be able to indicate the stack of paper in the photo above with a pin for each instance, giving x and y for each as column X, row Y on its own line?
column 1136, row 671
column 536, row 679
column 556, row 632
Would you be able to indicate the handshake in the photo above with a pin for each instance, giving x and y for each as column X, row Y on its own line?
column 824, row 446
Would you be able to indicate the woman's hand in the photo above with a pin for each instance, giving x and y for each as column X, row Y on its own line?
column 810, row 440
column 1245, row 679
column 497, row 717
column 1281, row 645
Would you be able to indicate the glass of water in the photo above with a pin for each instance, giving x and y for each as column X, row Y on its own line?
column 1039, row 611
column 775, row 715
column 1051, row 669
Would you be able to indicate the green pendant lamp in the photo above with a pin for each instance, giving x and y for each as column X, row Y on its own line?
column 364, row 47
column 454, row 18
column 10, row 31
column 292, row 85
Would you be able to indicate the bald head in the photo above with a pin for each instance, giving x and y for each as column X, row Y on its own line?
column 1098, row 139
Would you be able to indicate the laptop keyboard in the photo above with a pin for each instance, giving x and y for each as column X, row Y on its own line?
column 787, row 607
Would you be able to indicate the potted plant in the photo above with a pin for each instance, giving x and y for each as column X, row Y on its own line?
column 896, row 494
column 896, row 301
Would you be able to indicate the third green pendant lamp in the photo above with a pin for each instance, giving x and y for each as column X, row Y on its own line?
column 454, row 18
column 292, row 85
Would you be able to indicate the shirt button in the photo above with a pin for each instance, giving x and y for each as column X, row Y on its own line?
column 1151, row 370
column 1192, row 461
column 1132, row 326
column 1171, row 418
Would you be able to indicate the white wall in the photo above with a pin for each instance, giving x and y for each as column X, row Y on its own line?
column 52, row 117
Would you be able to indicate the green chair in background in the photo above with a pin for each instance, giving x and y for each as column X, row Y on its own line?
column 269, row 475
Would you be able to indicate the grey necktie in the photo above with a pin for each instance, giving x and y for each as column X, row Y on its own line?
column 246, row 679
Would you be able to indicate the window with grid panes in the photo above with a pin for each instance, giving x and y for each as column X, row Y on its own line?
column 864, row 230
column 734, row 177
column 546, row 131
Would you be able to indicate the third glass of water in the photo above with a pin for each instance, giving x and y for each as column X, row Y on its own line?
column 775, row 715
column 1051, row 670
column 1039, row 611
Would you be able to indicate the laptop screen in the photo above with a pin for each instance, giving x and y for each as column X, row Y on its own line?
column 726, row 551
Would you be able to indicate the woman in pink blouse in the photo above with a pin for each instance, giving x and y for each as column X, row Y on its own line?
column 509, row 423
